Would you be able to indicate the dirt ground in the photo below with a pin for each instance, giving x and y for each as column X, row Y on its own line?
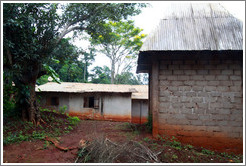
column 38, row 151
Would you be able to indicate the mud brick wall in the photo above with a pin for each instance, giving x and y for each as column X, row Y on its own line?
column 201, row 102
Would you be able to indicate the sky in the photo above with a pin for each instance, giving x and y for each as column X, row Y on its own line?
column 150, row 16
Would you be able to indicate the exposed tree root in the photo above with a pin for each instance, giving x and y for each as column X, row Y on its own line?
column 55, row 142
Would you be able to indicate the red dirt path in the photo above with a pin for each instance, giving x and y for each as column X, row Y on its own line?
column 34, row 152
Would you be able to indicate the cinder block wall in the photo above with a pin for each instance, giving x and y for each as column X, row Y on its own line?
column 201, row 102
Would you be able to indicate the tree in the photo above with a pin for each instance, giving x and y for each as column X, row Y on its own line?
column 119, row 41
column 127, row 78
column 32, row 31
column 88, row 58
column 101, row 75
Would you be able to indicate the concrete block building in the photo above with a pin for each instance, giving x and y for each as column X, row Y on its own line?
column 195, row 63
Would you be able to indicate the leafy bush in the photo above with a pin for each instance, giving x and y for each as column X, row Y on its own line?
column 63, row 109
column 149, row 124
column 73, row 120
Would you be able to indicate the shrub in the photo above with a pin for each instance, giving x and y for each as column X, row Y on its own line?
column 63, row 109
column 73, row 120
column 149, row 124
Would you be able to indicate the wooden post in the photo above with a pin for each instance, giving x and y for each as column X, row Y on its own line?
column 154, row 95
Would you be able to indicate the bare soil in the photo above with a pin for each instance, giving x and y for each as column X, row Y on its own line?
column 41, row 151
column 35, row 151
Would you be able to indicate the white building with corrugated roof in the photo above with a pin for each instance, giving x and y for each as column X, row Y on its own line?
column 97, row 101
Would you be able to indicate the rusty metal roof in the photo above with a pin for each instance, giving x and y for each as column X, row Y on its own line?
column 137, row 91
column 197, row 26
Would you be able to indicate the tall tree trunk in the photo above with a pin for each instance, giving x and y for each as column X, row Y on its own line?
column 33, row 111
column 112, row 70
column 27, row 95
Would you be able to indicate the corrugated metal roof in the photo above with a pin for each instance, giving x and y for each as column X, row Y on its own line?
column 138, row 91
column 196, row 27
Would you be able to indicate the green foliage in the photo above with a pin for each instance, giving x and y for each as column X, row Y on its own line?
column 8, row 96
column 101, row 75
column 33, row 33
column 147, row 139
column 207, row 152
column 25, row 131
column 127, row 78
column 174, row 156
column 119, row 41
column 73, row 120
column 38, row 135
column 51, row 72
column 149, row 123
column 189, row 146
column 63, row 109
column 42, row 80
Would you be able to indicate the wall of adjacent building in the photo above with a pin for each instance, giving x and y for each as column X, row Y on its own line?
column 140, row 111
column 200, row 102
column 110, row 106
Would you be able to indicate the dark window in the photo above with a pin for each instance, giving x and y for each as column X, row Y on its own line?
column 91, row 102
column 88, row 102
column 54, row 101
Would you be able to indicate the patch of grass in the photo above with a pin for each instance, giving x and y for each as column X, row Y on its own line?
column 55, row 125
column 147, row 139
column 189, row 147
column 207, row 152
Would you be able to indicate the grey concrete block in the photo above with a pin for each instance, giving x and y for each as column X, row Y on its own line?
column 201, row 83
column 213, row 83
column 237, row 83
column 164, row 105
column 197, row 99
column 197, row 77
column 164, row 83
column 172, row 77
column 183, row 77
column 191, row 116
column 165, row 72
column 216, row 105
column 209, row 77
column 190, row 72
column 222, row 88
column 235, row 88
column 210, row 88
column 236, row 124
column 164, row 99
column 197, row 88
column 196, row 122
column 227, row 72
column 179, row 62
column 177, row 105
column 189, row 82
column 178, row 72
column 190, row 94
column 225, row 83
column 215, row 72
column 176, row 83
column 237, row 72
column 202, row 72
column 222, row 77
column 173, row 67
column 215, row 94
column 209, row 123
column 203, row 94
column 204, row 117
column 236, row 78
